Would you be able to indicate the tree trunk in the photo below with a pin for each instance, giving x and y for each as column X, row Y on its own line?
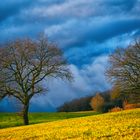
column 25, row 114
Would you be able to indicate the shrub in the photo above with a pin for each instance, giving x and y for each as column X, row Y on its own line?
column 115, row 109
column 131, row 106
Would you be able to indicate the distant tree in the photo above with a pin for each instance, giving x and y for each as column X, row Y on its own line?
column 118, row 95
column 97, row 102
column 124, row 69
column 106, row 95
column 24, row 64
column 115, row 92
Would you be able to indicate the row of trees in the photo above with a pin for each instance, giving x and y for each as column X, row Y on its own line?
column 100, row 102
column 24, row 64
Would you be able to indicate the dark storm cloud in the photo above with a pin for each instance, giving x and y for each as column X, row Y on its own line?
column 122, row 4
column 12, row 8
column 93, row 31
column 66, row 8
column 69, row 21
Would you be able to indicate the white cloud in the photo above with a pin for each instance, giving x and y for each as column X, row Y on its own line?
column 87, row 80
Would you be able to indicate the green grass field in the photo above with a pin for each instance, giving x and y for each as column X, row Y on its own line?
column 124, row 125
column 12, row 119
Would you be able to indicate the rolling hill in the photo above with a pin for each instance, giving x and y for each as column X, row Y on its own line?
column 124, row 125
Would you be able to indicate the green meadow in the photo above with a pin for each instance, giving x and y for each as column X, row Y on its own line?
column 13, row 119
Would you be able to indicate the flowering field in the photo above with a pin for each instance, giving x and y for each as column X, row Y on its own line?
column 123, row 125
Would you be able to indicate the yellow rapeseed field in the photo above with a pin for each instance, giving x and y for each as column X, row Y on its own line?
column 124, row 125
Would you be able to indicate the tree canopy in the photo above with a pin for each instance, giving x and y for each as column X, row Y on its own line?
column 124, row 69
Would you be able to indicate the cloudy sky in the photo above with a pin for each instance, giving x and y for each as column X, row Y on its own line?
column 87, row 31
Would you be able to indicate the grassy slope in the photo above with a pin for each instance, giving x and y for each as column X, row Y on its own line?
column 121, row 125
column 11, row 119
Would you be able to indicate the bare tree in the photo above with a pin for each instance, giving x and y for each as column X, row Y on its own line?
column 124, row 70
column 24, row 64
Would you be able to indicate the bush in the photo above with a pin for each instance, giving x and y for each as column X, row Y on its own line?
column 116, row 109
column 131, row 106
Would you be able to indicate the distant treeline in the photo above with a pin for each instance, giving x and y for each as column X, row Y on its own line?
column 100, row 102
column 85, row 103
column 81, row 104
